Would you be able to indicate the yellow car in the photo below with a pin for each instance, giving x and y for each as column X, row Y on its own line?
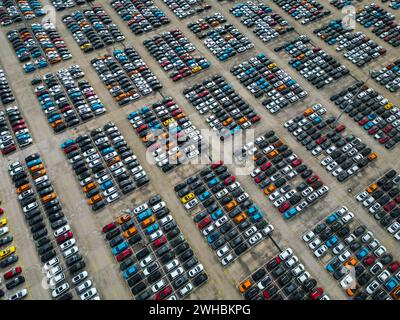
column 388, row 106
column 271, row 66
column 6, row 252
column 86, row 46
column 196, row 69
column 3, row 222
column 166, row 123
column 187, row 198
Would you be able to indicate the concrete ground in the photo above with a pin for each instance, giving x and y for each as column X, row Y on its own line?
column 86, row 224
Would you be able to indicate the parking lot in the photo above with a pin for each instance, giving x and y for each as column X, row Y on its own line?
column 222, row 282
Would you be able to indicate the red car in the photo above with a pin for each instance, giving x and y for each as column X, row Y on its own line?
column 321, row 140
column 368, row 261
column 71, row 148
column 229, row 180
column 161, row 295
column 177, row 77
column 204, row 223
column 160, row 241
column 141, row 128
column 64, row 237
column 340, row 128
column 125, row 254
column 13, row 272
column 285, row 206
column 388, row 128
column 20, row 127
column 265, row 166
column 108, row 227
column 9, row 149
column 312, row 179
column 390, row 206
column 373, row 130
column 397, row 199
column 217, row 164
column 394, row 266
column 384, row 139
column 255, row 119
column 363, row 121
column 1, row 211
column 296, row 162
column 317, row 293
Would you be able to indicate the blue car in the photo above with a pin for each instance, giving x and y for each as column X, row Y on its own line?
column 213, row 182
column 331, row 218
column 204, row 196
column 154, row 227
column 67, row 143
column 119, row 248
column 257, row 216
column 217, row 214
column 35, row 162
column 130, row 272
column 106, row 185
column 213, row 236
column 144, row 215
column 330, row 266
column 290, row 213
column 391, row 284
column 362, row 253
column 253, row 210
column 107, row 151
column 331, row 241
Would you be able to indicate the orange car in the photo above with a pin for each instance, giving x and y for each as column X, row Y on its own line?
column 148, row 221
column 113, row 160
column 56, row 123
column 227, row 122
column 396, row 293
column 131, row 232
column 372, row 187
column 351, row 262
column 124, row 218
column 230, row 205
column 89, row 187
column 23, row 188
column 36, row 168
column 95, row 199
column 272, row 154
column 271, row 188
column 308, row 112
column 372, row 156
column 38, row 174
column 239, row 218
column 242, row 120
column 49, row 197
column 245, row 285
column 278, row 143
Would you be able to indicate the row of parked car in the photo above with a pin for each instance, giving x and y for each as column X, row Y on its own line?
column 388, row 76
column 313, row 63
column 229, row 220
column 306, row 11
column 167, row 133
column 356, row 47
column 376, row 114
column 62, row 234
column 382, row 198
column 173, row 52
column 263, row 78
column 187, row 8
column 140, row 15
column 155, row 259
column 104, row 165
column 126, row 75
column 93, row 28
column 383, row 23
column 268, row 24
column 230, row 113
column 283, row 277
column 61, row 5
column 40, row 43
column 340, row 4
column 66, row 101
column 17, row 126
column 6, row 94
column 5, row 253
column 20, row 10
column 344, row 155
column 394, row 4
column 223, row 40
column 276, row 170
column 349, row 245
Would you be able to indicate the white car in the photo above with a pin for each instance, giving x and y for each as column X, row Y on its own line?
column 307, row 237
column 158, row 286
column 284, row 255
column 254, row 239
column 146, row 261
column 70, row 252
column 362, row 196
column 60, row 290
column 292, row 261
column 176, row 273
column 321, row 251
column 223, row 251
column 299, row 269
column 221, row 221
column 347, row 281
column 67, row 244
column 195, row 270
column 61, row 231
column 383, row 276
column 380, row 251
column 80, row 277
column 394, row 227
column 88, row 294
column 303, row 277
column 348, row 217
column 314, row 244
column 185, row 290
column 267, row 230
column 227, row 260
column 51, row 263
column 84, row 286
column 344, row 256
column 155, row 235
